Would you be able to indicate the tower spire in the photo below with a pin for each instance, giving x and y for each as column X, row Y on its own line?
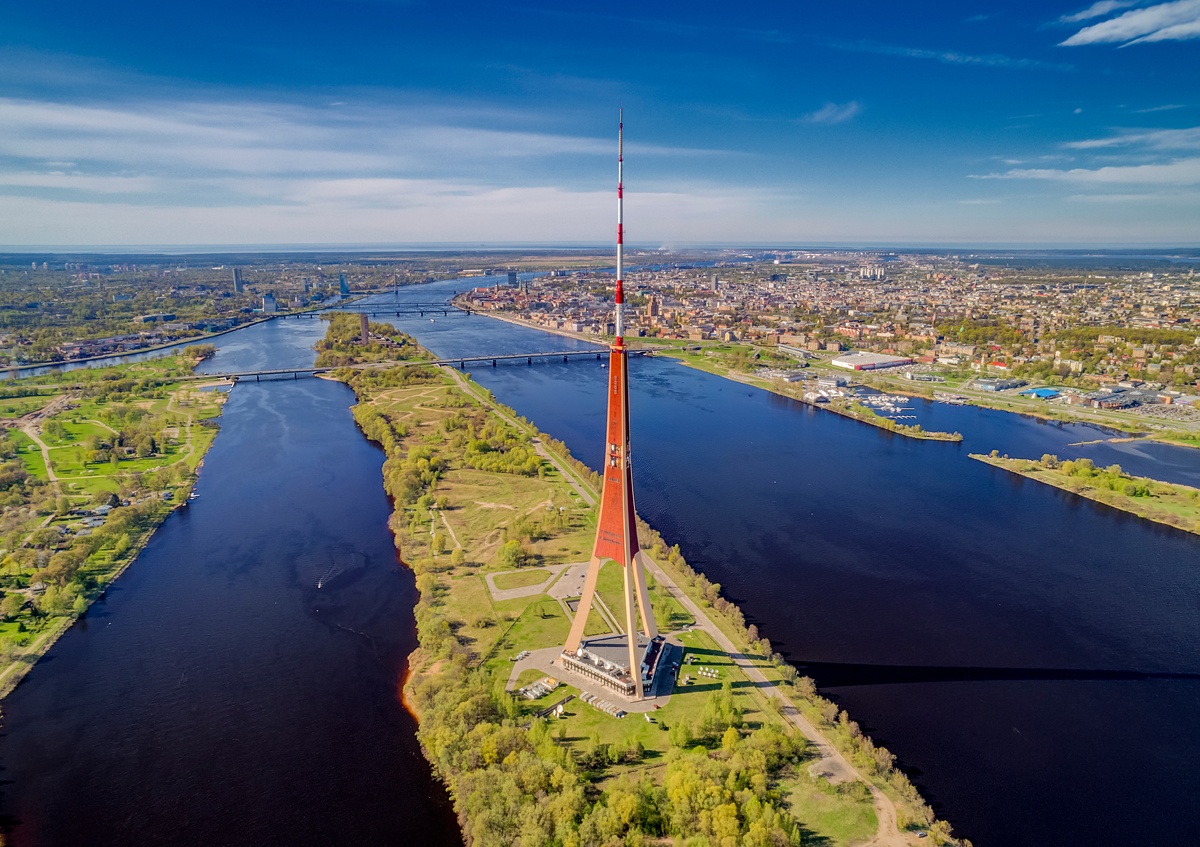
column 620, row 295
column 616, row 530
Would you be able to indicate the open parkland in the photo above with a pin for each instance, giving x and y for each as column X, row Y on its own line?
column 92, row 462
column 497, row 522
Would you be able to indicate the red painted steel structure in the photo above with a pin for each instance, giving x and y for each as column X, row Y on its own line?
column 616, row 532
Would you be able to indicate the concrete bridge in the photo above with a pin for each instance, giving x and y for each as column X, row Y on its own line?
column 399, row 310
column 460, row 362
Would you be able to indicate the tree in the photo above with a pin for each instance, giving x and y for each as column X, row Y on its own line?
column 456, row 557
column 439, row 544
column 510, row 554
column 680, row 735
column 11, row 605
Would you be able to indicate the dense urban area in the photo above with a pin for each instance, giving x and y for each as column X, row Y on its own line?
column 1123, row 339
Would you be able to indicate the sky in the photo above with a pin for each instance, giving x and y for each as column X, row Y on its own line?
column 237, row 122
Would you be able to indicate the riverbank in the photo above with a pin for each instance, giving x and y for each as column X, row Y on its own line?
column 521, row 511
column 1151, row 499
column 846, row 407
column 103, row 465
column 1129, row 426
column 170, row 345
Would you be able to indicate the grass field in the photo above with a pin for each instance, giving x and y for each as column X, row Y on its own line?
column 15, row 407
column 521, row 579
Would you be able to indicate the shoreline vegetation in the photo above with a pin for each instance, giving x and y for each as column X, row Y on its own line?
column 182, row 343
column 489, row 513
column 1162, row 502
column 91, row 464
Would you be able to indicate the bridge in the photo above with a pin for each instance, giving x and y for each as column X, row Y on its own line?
column 460, row 362
column 399, row 310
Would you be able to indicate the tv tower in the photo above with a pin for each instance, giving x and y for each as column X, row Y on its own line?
column 616, row 530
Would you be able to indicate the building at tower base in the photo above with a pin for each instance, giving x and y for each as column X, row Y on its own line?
column 604, row 659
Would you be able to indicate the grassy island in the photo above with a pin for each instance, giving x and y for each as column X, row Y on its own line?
column 491, row 516
column 1162, row 502
column 91, row 462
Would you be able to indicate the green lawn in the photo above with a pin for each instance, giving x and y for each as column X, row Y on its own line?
column 541, row 624
column 835, row 816
column 30, row 455
column 521, row 579
column 15, row 407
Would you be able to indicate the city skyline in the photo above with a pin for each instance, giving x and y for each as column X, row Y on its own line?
column 398, row 123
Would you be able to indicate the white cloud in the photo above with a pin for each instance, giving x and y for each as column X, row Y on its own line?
column 80, row 182
column 1102, row 7
column 1159, row 139
column 834, row 113
column 396, row 212
column 198, row 138
column 949, row 57
column 1178, row 20
column 1178, row 172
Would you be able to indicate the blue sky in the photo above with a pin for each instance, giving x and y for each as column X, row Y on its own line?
column 385, row 121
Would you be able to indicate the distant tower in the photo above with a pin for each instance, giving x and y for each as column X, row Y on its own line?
column 343, row 288
column 238, row 285
column 616, row 530
column 364, row 327
column 512, row 278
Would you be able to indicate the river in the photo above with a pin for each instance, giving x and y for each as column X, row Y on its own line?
column 1029, row 656
column 239, row 685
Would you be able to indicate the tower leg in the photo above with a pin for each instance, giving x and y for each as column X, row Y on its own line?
column 631, row 633
column 649, row 625
column 575, row 638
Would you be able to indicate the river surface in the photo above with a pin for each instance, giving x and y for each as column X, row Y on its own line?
column 239, row 684
column 1030, row 656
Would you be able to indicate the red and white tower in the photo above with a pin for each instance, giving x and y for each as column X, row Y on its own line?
column 616, row 531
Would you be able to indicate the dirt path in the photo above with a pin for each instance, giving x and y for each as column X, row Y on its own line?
column 568, row 474
column 449, row 528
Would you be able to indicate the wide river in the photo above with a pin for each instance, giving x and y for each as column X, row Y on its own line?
column 1028, row 655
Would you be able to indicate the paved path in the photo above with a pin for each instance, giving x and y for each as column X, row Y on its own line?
column 568, row 474
column 525, row 590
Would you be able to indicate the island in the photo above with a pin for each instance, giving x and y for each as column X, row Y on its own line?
column 495, row 520
column 1162, row 502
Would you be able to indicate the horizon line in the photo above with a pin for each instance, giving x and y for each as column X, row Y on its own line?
column 566, row 246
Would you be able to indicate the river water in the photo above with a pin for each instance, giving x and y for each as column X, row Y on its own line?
column 1029, row 656
column 217, row 695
